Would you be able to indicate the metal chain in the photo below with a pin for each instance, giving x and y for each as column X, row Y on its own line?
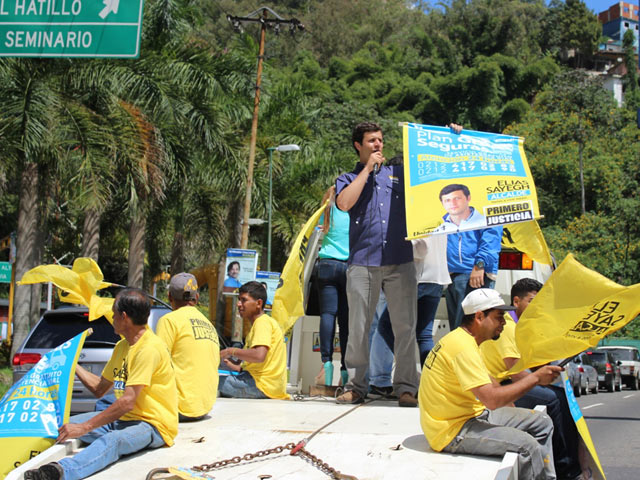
column 324, row 467
column 302, row 452
column 249, row 456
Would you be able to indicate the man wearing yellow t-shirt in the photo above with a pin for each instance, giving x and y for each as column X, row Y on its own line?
column 195, row 352
column 145, row 413
column 463, row 410
column 502, row 354
column 263, row 372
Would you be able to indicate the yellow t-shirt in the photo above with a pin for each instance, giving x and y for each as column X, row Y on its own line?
column 495, row 351
column 195, row 353
column 454, row 366
column 146, row 362
column 270, row 375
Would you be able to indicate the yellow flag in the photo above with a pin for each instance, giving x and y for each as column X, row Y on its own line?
column 288, row 303
column 78, row 284
column 575, row 309
column 527, row 238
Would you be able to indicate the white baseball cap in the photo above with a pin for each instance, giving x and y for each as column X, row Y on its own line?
column 483, row 299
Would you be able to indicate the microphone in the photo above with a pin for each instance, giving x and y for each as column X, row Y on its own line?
column 376, row 167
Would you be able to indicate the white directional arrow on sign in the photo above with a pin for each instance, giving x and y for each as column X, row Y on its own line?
column 109, row 6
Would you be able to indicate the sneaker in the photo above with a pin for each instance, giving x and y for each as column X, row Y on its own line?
column 50, row 471
column 349, row 397
column 407, row 399
column 380, row 392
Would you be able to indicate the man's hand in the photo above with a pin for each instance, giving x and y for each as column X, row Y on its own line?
column 547, row 374
column 72, row 430
column 455, row 127
column 476, row 279
column 375, row 158
column 230, row 365
column 226, row 353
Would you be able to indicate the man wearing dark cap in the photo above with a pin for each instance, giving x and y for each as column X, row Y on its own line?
column 195, row 351
column 463, row 410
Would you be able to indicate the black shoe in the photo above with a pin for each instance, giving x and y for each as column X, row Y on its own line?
column 380, row 392
column 50, row 471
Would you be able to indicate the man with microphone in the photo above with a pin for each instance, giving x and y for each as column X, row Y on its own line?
column 379, row 257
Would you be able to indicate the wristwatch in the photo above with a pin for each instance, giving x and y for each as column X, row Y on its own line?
column 479, row 265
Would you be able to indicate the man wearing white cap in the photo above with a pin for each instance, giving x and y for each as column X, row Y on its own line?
column 195, row 350
column 463, row 410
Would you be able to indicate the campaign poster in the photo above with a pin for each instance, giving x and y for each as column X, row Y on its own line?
column 458, row 182
column 33, row 409
column 241, row 266
column 270, row 281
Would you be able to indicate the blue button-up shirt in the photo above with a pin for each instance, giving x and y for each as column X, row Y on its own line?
column 377, row 221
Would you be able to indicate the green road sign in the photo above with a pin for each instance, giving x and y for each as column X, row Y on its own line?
column 70, row 28
column 5, row 272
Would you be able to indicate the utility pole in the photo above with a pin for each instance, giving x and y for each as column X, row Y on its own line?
column 260, row 16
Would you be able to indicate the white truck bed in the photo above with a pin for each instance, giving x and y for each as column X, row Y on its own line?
column 378, row 440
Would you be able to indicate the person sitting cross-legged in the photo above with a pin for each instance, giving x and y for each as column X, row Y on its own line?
column 263, row 371
column 145, row 413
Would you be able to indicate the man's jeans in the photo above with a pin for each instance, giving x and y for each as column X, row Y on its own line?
column 239, row 386
column 107, row 444
column 429, row 295
column 332, row 286
column 381, row 356
column 565, row 433
column 496, row 432
column 456, row 291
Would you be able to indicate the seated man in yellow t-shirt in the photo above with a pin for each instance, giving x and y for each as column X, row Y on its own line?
column 463, row 410
column 263, row 372
column 195, row 352
column 502, row 354
column 145, row 413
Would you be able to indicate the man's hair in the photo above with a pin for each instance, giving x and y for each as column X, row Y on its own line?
column 255, row 290
column 396, row 161
column 135, row 303
column 454, row 187
column 231, row 265
column 468, row 319
column 358, row 132
column 524, row 286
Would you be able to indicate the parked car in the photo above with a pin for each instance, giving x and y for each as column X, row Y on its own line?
column 575, row 377
column 629, row 359
column 608, row 370
column 588, row 373
column 56, row 327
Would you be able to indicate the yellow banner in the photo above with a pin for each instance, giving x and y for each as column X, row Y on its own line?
column 490, row 170
column 288, row 303
column 78, row 284
column 575, row 309
column 527, row 238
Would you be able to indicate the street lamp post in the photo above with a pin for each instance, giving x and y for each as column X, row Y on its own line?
column 280, row 148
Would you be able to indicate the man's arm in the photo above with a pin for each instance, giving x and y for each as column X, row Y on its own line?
column 349, row 195
column 510, row 362
column 116, row 410
column 488, row 251
column 256, row 354
column 495, row 396
column 95, row 384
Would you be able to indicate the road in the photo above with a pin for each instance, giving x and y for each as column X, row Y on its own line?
column 614, row 423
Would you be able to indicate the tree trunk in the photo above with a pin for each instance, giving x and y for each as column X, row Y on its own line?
column 177, row 253
column 27, row 256
column 91, row 234
column 136, row 249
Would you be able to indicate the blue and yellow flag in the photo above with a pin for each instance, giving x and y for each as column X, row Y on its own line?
column 288, row 301
column 575, row 309
column 493, row 168
column 32, row 410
